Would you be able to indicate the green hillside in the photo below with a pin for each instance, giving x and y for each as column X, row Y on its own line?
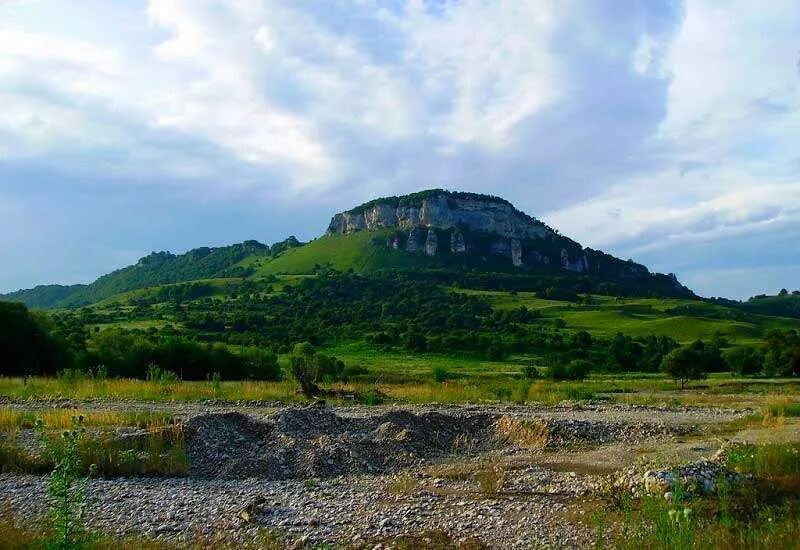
column 362, row 252
column 43, row 296
column 158, row 268
column 681, row 319
column 784, row 304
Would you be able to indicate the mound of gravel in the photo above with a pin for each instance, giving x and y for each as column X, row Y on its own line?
column 315, row 442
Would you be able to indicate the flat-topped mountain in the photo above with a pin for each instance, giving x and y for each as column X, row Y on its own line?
column 444, row 223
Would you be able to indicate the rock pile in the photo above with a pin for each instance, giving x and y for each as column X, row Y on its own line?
column 698, row 478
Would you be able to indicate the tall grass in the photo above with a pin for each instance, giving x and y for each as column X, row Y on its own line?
column 631, row 388
column 769, row 460
column 13, row 419
column 161, row 451
column 783, row 407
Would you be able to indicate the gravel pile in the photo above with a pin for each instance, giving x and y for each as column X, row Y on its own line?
column 316, row 442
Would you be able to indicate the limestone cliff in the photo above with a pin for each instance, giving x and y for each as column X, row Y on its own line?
column 441, row 210
column 464, row 226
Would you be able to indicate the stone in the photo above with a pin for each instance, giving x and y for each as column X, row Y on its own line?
column 431, row 243
column 457, row 243
column 516, row 252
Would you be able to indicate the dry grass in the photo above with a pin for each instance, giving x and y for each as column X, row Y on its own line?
column 530, row 434
column 458, row 471
column 491, row 477
column 773, row 421
column 403, row 484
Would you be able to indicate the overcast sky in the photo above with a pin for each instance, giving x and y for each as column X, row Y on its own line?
column 668, row 133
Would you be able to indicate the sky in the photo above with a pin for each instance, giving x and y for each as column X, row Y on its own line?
column 663, row 131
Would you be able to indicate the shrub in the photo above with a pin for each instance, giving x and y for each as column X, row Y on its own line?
column 577, row 369
column 744, row 361
column 491, row 477
column 530, row 372
column 440, row 374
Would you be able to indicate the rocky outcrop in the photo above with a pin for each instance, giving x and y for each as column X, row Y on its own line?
column 416, row 240
column 486, row 229
column 457, row 243
column 516, row 252
column 442, row 211
column 580, row 265
column 431, row 243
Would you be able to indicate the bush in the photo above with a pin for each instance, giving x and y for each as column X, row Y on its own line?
column 744, row 361
column 577, row 369
column 530, row 372
column 440, row 374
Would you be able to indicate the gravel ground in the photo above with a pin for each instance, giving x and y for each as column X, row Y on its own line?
column 354, row 511
column 359, row 476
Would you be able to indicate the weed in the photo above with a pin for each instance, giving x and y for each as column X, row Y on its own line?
column 67, row 487
column 371, row 397
column 215, row 383
column 403, row 484
column 310, row 484
column 491, row 477
column 770, row 460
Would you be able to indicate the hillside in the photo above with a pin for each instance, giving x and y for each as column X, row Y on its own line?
column 785, row 304
column 43, row 296
column 157, row 268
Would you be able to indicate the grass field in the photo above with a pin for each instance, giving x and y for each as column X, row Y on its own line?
column 683, row 320
column 780, row 396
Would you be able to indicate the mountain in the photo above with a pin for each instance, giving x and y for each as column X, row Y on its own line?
column 459, row 233
column 438, row 229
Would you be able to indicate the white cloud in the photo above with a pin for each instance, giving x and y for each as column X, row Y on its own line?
column 702, row 206
column 491, row 61
column 728, row 62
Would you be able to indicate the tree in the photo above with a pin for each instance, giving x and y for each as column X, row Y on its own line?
column 27, row 346
column 744, row 361
column 783, row 353
column 685, row 363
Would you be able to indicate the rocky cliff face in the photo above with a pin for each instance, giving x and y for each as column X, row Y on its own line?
column 444, row 224
column 438, row 222
column 441, row 211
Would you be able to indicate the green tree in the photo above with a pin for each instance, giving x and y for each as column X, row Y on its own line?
column 27, row 346
column 744, row 361
column 685, row 363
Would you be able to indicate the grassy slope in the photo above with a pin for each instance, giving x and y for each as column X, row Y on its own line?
column 340, row 252
column 644, row 316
